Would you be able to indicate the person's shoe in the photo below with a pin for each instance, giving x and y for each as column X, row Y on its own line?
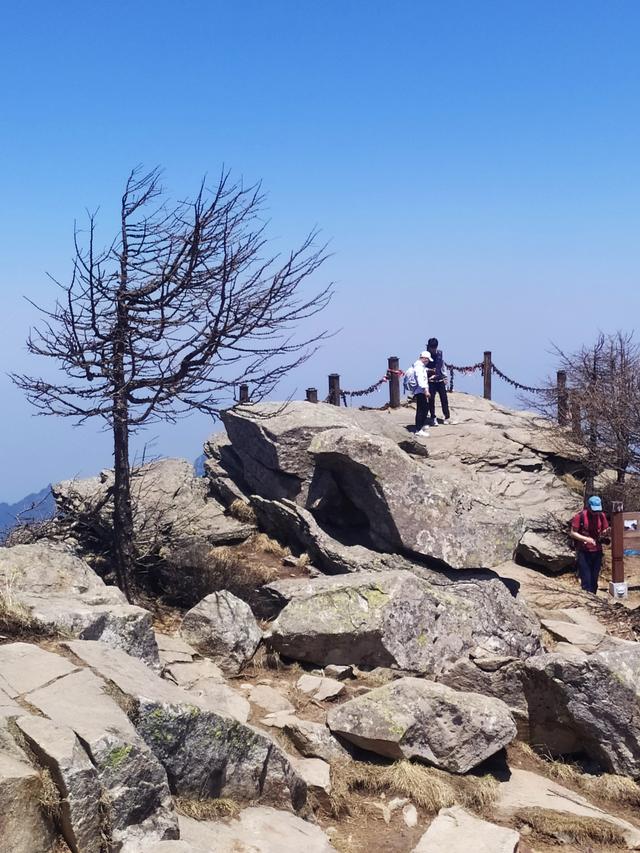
column 423, row 432
column 449, row 422
column 434, row 422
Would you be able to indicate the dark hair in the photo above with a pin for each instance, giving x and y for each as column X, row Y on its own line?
column 432, row 342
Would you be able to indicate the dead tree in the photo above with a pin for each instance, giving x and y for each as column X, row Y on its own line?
column 181, row 307
column 603, row 380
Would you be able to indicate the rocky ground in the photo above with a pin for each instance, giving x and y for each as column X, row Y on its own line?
column 346, row 638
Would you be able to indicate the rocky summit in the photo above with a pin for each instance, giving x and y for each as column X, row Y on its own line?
column 345, row 637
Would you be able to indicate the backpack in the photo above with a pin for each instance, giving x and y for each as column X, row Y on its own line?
column 410, row 383
column 583, row 527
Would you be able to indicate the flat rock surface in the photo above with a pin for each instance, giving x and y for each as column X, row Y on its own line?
column 455, row 830
column 526, row 790
column 256, row 830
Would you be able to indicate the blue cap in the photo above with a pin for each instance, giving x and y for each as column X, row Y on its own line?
column 595, row 503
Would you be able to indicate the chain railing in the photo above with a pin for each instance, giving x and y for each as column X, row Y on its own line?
column 339, row 396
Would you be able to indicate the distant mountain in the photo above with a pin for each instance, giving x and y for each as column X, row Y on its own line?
column 35, row 507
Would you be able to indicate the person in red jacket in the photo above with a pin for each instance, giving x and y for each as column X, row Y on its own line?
column 587, row 530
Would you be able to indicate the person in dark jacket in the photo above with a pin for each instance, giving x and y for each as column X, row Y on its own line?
column 437, row 384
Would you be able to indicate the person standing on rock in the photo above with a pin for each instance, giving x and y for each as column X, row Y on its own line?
column 420, row 391
column 588, row 528
column 437, row 384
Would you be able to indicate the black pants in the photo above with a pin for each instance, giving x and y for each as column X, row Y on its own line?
column 422, row 410
column 439, row 388
column 589, row 565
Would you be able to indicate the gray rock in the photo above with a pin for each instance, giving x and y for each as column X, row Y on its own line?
column 397, row 619
column 314, row 740
column 523, row 790
column 546, row 548
column 504, row 681
column 320, row 688
column 453, row 829
column 170, row 504
column 590, row 704
column 206, row 753
column 134, row 783
column 58, row 749
column 412, row 506
column 268, row 699
column 258, row 829
column 202, row 678
column 414, row 718
column 223, row 627
column 174, row 650
column 61, row 591
column 317, row 777
column 509, row 456
column 23, row 824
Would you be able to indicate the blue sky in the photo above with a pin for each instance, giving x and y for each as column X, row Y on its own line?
column 475, row 166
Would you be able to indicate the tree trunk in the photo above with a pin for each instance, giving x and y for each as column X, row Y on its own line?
column 122, row 513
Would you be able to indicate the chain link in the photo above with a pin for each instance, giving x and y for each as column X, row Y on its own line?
column 515, row 384
column 453, row 369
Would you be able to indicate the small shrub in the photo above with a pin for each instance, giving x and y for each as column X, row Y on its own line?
column 190, row 573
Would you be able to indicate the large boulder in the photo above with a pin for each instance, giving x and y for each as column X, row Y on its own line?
column 206, row 753
column 170, row 504
column 222, row 627
column 396, row 619
column 501, row 464
column 54, row 586
column 588, row 703
column 132, row 782
column 411, row 506
column 415, row 718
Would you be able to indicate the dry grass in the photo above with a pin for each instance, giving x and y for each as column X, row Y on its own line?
column 242, row 511
column 427, row 787
column 573, row 484
column 604, row 786
column 572, row 828
column 125, row 702
column 49, row 796
column 191, row 573
column 207, row 809
column 264, row 543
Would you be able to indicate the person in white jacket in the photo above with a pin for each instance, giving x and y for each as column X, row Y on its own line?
column 421, row 392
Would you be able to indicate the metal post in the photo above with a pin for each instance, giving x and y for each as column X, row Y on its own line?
column 486, row 373
column 334, row 389
column 563, row 397
column 576, row 419
column 244, row 394
column 617, row 587
column 393, row 373
column 312, row 395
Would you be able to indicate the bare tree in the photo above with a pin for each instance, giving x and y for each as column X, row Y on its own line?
column 604, row 398
column 184, row 304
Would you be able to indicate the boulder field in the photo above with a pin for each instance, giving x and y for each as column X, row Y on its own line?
column 386, row 647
